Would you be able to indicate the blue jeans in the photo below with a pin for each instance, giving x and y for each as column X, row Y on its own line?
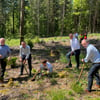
column 77, row 57
column 93, row 72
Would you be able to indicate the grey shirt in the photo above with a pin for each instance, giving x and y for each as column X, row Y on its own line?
column 92, row 54
column 4, row 51
column 25, row 51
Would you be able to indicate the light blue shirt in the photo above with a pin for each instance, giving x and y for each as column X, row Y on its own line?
column 48, row 66
column 75, row 45
column 4, row 51
column 92, row 54
column 25, row 51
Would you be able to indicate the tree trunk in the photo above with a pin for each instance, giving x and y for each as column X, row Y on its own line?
column 22, row 21
column 48, row 15
column 13, row 18
column 95, row 17
column 63, row 16
column 38, row 17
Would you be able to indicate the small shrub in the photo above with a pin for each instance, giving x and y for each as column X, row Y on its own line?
column 62, row 74
column 12, row 62
column 77, row 88
column 57, row 95
column 30, row 43
column 70, row 93
column 55, row 75
column 63, row 58
column 33, row 70
column 36, row 39
column 71, row 98
column 53, row 81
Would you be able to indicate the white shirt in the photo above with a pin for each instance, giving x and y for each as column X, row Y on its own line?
column 92, row 54
column 25, row 51
column 76, row 35
column 75, row 45
column 48, row 66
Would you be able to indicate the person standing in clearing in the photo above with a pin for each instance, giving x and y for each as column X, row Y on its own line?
column 25, row 55
column 94, row 56
column 4, row 53
column 75, row 47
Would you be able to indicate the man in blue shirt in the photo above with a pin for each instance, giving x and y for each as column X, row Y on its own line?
column 4, row 53
column 94, row 56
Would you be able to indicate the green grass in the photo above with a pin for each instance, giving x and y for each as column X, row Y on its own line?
column 57, row 94
column 16, row 42
column 63, row 58
column 77, row 88
column 13, row 42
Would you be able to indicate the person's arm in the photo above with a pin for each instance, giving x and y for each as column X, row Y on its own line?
column 28, row 52
column 88, row 56
column 36, row 74
column 20, row 54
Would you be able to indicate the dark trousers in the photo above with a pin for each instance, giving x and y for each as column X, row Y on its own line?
column 29, row 64
column 3, row 64
column 93, row 72
column 77, row 57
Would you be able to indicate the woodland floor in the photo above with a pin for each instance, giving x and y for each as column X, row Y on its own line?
column 17, row 87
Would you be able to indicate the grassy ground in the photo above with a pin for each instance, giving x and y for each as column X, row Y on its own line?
column 62, row 86
column 16, row 42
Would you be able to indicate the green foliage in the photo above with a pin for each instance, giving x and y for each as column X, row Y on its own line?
column 57, row 94
column 53, row 81
column 30, row 43
column 63, row 58
column 77, row 88
column 36, row 40
column 70, row 93
column 12, row 61
column 33, row 70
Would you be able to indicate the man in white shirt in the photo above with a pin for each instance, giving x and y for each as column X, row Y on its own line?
column 75, row 50
column 75, row 35
column 94, row 56
column 25, row 55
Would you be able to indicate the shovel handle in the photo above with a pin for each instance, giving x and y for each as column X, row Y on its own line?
column 81, row 73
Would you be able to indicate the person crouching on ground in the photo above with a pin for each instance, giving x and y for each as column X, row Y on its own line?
column 46, row 66
column 94, row 56
column 4, row 53
column 25, row 55
column 75, row 46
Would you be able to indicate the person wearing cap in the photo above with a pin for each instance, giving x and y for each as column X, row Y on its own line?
column 4, row 53
column 92, row 55
column 25, row 55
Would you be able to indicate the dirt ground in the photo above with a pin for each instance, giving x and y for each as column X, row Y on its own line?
column 17, row 87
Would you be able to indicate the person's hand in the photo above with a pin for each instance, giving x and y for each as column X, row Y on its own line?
column 20, row 59
column 72, row 52
column 9, row 58
column 24, row 61
column 0, row 56
column 82, row 60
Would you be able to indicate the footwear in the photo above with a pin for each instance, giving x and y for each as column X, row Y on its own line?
column 87, row 91
column 98, row 86
column 68, row 66
column 1, row 80
column 33, row 79
column 20, row 74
